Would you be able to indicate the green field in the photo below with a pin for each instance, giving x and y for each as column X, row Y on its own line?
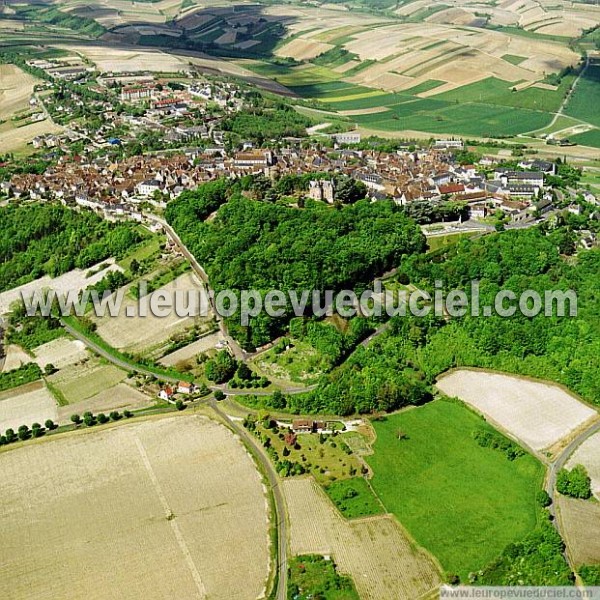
column 513, row 59
column 354, row 498
column 584, row 101
column 462, row 502
column 589, row 138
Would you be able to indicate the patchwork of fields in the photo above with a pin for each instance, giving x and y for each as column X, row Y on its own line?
column 375, row 552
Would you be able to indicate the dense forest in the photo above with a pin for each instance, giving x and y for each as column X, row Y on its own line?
column 49, row 239
column 399, row 367
column 252, row 245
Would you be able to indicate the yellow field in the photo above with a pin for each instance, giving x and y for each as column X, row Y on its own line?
column 16, row 88
column 162, row 508
column 25, row 405
column 375, row 552
column 581, row 523
column 15, row 356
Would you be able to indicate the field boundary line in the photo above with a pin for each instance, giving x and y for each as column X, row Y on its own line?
column 169, row 514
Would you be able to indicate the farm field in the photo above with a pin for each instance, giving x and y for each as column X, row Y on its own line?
column 139, row 334
column 115, row 59
column 583, row 103
column 374, row 552
column 15, row 357
column 73, row 280
column 581, row 524
column 459, row 500
column 25, row 405
column 60, row 352
column 85, row 379
column 199, row 507
column 538, row 414
column 16, row 88
column 205, row 343
column 588, row 455
column 119, row 397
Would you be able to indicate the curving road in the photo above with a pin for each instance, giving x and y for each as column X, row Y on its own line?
column 279, row 502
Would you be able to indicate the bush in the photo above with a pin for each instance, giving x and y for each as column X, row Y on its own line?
column 543, row 498
column 115, row 415
column 219, row 395
column 179, row 404
column 127, row 414
column 50, row 425
column 102, row 418
column 575, row 483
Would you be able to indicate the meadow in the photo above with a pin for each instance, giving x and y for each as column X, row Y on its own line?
column 584, row 101
column 462, row 502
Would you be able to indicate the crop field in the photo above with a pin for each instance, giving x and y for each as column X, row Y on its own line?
column 14, row 358
column 205, row 343
column 584, row 101
column 426, row 460
column 26, row 405
column 16, row 88
column 61, row 352
column 119, row 397
column 589, row 138
column 581, row 524
column 109, row 59
column 73, row 280
column 86, row 379
column 588, row 455
column 375, row 552
column 159, row 508
column 139, row 334
column 538, row 414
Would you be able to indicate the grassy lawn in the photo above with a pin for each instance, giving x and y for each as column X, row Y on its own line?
column 149, row 249
column 354, row 498
column 441, row 241
column 301, row 363
column 462, row 502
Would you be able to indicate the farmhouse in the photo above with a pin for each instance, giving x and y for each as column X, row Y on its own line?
column 307, row 425
column 166, row 393
column 184, row 387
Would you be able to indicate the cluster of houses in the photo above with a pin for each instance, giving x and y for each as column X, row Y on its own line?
column 168, row 392
column 403, row 177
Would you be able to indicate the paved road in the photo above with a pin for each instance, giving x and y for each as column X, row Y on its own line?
column 563, row 457
column 280, row 506
column 236, row 349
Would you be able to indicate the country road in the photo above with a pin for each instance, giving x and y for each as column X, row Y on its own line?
column 238, row 352
column 280, row 506
column 553, row 469
column 564, row 456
